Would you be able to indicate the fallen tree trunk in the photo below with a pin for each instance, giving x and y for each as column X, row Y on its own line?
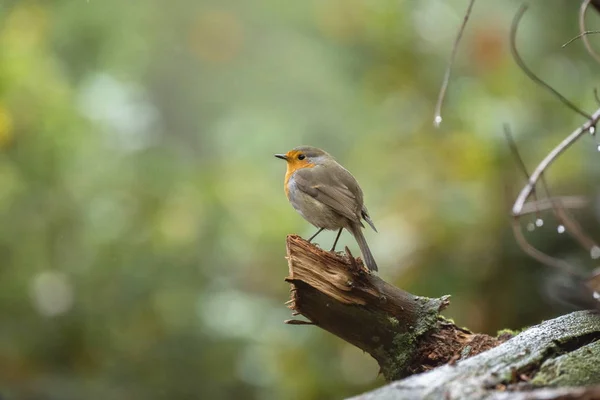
column 407, row 336
column 563, row 352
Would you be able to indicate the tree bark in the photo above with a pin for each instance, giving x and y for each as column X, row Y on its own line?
column 403, row 332
column 407, row 336
column 553, row 360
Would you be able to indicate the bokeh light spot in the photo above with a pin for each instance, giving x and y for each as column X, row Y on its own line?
column 51, row 293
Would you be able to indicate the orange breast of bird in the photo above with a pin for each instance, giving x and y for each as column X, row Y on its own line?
column 293, row 165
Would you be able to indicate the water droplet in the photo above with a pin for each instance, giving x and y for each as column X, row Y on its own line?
column 437, row 121
column 598, row 148
column 560, row 229
column 530, row 227
column 596, row 295
column 592, row 130
column 595, row 252
column 539, row 222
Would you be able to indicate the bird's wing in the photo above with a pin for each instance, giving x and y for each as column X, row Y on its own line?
column 340, row 192
column 365, row 214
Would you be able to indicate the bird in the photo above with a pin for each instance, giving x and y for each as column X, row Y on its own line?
column 327, row 195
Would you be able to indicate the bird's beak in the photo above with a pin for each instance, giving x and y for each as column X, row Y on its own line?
column 282, row 156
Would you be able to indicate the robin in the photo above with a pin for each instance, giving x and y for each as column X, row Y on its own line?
column 326, row 195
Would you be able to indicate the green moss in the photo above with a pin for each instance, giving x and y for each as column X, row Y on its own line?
column 509, row 332
column 446, row 319
column 577, row 368
column 399, row 355
column 403, row 346
column 427, row 320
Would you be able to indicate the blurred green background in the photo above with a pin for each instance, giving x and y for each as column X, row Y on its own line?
column 142, row 214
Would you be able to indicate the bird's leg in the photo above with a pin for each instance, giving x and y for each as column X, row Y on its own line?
column 315, row 235
column 336, row 239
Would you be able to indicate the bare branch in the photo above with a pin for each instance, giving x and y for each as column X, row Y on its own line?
column 571, row 225
column 586, row 42
column 529, row 72
column 547, row 204
column 574, row 229
column 549, row 159
column 515, row 150
column 513, row 147
column 556, row 204
column 582, row 34
column 556, row 263
column 437, row 120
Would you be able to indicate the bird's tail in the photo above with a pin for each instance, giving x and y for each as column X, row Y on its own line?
column 356, row 231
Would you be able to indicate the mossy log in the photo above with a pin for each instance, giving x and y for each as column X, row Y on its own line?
column 403, row 332
column 558, row 359
column 435, row 358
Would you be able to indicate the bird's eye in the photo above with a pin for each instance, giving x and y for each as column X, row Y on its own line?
column 301, row 157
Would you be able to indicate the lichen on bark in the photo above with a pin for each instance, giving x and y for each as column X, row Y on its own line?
column 576, row 368
column 558, row 352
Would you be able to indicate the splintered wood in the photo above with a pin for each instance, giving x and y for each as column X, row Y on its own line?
column 403, row 332
column 335, row 276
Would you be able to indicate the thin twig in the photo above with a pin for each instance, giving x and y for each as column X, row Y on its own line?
column 574, row 228
column 571, row 225
column 437, row 120
column 297, row 322
column 542, row 257
column 529, row 72
column 586, row 42
column 554, row 203
column 513, row 147
column 582, row 34
column 549, row 159
column 547, row 204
